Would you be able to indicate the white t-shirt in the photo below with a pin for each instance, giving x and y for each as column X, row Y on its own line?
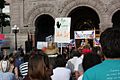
column 61, row 73
column 76, row 62
column 72, row 63
column 80, row 77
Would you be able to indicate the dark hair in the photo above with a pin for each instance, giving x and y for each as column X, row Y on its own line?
column 60, row 61
column 110, row 42
column 90, row 60
column 38, row 66
column 26, row 57
column 75, row 53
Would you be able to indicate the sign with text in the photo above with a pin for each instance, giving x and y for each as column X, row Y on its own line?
column 89, row 34
column 41, row 45
column 49, row 38
column 62, row 30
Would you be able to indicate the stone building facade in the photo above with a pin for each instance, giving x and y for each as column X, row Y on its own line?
column 25, row 12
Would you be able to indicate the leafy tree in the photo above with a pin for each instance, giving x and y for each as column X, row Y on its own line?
column 4, row 18
column 2, row 4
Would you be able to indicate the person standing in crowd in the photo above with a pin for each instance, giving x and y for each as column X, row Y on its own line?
column 20, row 49
column 86, row 49
column 90, row 60
column 38, row 67
column 24, row 66
column 5, row 73
column 61, row 72
column 52, row 51
column 74, row 63
column 82, row 43
column 5, row 54
column 109, row 69
column 18, row 61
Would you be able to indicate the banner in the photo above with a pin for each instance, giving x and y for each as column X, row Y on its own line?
column 2, row 37
column 49, row 38
column 89, row 34
column 41, row 45
column 62, row 30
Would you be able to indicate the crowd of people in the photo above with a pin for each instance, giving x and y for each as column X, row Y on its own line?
column 86, row 63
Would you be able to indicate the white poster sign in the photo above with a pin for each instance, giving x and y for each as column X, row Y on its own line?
column 49, row 38
column 89, row 34
column 62, row 30
column 41, row 45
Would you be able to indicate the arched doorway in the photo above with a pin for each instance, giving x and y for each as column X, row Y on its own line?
column 83, row 18
column 116, row 19
column 44, row 26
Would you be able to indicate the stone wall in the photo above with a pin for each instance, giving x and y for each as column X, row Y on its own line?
column 25, row 12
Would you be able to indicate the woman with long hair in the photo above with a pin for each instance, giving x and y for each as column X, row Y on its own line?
column 38, row 67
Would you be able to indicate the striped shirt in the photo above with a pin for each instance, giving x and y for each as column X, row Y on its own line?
column 24, row 69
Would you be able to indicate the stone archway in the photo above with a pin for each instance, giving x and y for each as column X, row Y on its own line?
column 113, row 11
column 96, row 5
column 44, row 27
column 38, row 10
column 83, row 18
column 34, row 15
column 116, row 19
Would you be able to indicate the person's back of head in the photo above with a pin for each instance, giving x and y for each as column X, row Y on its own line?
column 90, row 60
column 60, row 61
column 75, row 53
column 26, row 57
column 110, row 42
column 38, row 66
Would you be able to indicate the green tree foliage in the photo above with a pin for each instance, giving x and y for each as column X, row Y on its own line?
column 2, row 4
column 4, row 20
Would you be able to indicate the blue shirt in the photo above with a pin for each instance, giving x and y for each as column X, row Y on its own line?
column 107, row 70
column 18, row 61
column 7, row 76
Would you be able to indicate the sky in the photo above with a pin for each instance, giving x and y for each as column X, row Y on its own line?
column 7, row 8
